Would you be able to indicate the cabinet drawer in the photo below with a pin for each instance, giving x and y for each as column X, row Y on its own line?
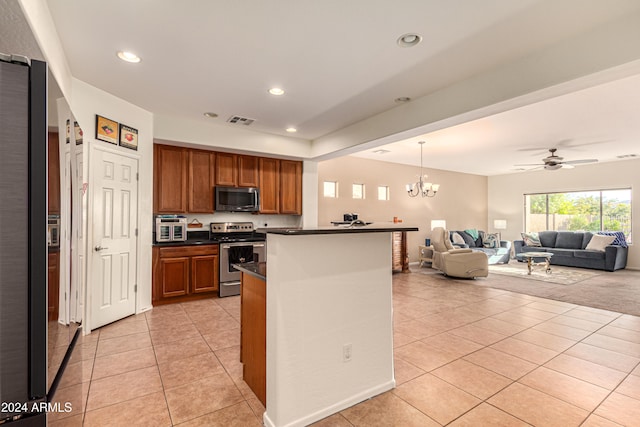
column 181, row 251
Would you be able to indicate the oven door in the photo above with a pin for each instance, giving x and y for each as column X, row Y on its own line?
column 237, row 253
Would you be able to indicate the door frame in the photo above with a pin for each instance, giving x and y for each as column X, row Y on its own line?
column 88, row 262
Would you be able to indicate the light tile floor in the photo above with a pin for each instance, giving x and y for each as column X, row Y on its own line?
column 465, row 355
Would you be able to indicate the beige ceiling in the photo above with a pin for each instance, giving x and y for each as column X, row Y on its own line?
column 339, row 64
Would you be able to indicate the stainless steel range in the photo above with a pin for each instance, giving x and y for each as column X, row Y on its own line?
column 238, row 243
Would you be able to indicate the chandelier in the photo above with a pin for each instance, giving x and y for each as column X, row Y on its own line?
column 422, row 187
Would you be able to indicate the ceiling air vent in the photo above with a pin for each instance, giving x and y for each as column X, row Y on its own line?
column 238, row 120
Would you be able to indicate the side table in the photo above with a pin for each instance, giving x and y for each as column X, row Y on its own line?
column 425, row 255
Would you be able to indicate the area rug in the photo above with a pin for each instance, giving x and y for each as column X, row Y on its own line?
column 617, row 291
column 559, row 275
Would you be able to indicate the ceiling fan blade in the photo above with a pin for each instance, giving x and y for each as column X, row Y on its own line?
column 578, row 162
column 584, row 144
column 528, row 164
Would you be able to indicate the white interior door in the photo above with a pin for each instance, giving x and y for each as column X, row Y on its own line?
column 65, row 238
column 114, row 222
column 78, row 258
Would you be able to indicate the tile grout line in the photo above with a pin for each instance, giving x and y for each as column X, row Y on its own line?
column 155, row 356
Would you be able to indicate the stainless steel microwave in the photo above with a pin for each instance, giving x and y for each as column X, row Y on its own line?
column 237, row 199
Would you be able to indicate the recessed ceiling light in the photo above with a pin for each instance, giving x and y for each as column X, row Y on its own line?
column 402, row 99
column 381, row 151
column 409, row 40
column 128, row 56
column 210, row 115
column 291, row 130
column 276, row 91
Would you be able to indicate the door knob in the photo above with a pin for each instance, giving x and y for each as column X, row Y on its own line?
column 99, row 248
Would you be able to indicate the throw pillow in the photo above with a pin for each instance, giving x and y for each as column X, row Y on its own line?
column 491, row 240
column 599, row 242
column 531, row 239
column 457, row 238
column 620, row 240
column 473, row 233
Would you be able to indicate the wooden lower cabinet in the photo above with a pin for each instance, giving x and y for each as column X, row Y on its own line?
column 204, row 269
column 53, row 285
column 183, row 273
column 253, row 335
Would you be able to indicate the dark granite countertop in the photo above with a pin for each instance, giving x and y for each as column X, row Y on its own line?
column 375, row 227
column 193, row 238
column 257, row 269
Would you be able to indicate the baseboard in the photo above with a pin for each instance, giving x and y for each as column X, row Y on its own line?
column 330, row 410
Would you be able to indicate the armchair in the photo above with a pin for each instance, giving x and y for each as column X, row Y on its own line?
column 452, row 262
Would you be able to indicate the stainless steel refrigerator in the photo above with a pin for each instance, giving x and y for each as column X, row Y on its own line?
column 23, row 241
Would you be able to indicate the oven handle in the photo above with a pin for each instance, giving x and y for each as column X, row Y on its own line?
column 229, row 245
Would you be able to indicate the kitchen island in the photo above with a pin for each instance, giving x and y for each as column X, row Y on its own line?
column 329, row 331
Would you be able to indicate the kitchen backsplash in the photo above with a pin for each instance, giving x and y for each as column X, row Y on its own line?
column 259, row 221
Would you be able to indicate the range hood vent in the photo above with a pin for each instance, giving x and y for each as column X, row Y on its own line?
column 239, row 120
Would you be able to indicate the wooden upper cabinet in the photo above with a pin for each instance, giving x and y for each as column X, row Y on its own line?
column 248, row 171
column 185, row 180
column 290, row 187
column 226, row 169
column 201, row 181
column 269, row 185
column 53, row 178
column 170, row 187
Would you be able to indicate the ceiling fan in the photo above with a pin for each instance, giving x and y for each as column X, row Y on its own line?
column 554, row 162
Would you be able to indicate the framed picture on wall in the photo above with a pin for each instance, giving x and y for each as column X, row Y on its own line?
column 128, row 137
column 68, row 130
column 106, row 130
column 78, row 133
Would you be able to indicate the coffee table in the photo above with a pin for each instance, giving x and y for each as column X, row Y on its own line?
column 530, row 257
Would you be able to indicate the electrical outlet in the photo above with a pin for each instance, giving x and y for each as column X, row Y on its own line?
column 347, row 352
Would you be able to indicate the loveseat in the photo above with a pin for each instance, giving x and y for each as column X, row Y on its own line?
column 500, row 254
column 569, row 248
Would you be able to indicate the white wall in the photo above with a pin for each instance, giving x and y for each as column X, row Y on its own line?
column 506, row 200
column 461, row 201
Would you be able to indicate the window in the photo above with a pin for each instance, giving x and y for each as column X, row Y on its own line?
column 383, row 193
column 602, row 210
column 330, row 189
column 358, row 191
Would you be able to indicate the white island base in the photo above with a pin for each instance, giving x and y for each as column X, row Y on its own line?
column 329, row 324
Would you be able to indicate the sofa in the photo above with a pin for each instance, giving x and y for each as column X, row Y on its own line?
column 569, row 248
column 496, row 255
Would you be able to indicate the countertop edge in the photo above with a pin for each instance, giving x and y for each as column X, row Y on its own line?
column 251, row 271
column 336, row 230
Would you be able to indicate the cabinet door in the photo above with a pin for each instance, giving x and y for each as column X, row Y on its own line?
column 269, row 186
column 174, row 276
column 170, row 175
column 204, row 277
column 201, row 181
column 290, row 187
column 53, row 286
column 226, row 169
column 247, row 171
column 54, row 174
